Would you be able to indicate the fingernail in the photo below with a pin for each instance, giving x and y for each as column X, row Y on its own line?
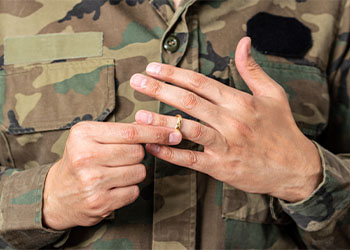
column 144, row 117
column 154, row 148
column 175, row 137
column 249, row 47
column 153, row 68
column 138, row 81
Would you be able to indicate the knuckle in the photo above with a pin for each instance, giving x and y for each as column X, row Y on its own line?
column 129, row 133
column 89, row 221
column 162, row 137
column 197, row 131
column 79, row 159
column 190, row 101
column 280, row 90
column 139, row 152
column 253, row 66
column 131, row 195
column 191, row 158
column 222, row 94
column 163, row 121
column 169, row 71
column 81, row 129
column 89, row 179
column 198, row 80
column 105, row 213
column 95, row 203
column 104, row 210
column 155, row 87
column 168, row 154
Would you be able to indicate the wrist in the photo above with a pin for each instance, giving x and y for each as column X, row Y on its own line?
column 50, row 219
column 307, row 178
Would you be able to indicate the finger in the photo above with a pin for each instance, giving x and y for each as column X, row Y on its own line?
column 190, row 130
column 124, row 133
column 195, row 160
column 121, row 197
column 179, row 98
column 114, row 155
column 257, row 80
column 123, row 176
column 205, row 87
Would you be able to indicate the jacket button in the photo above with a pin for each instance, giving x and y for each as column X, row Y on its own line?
column 171, row 44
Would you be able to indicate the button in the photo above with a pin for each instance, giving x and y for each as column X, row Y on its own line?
column 171, row 44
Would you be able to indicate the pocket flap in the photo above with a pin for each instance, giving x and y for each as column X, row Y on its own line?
column 55, row 96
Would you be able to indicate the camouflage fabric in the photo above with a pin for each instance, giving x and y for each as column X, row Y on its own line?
column 177, row 208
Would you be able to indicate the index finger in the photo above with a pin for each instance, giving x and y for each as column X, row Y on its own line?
column 126, row 133
column 210, row 89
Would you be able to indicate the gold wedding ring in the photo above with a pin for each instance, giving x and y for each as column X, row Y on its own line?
column 178, row 122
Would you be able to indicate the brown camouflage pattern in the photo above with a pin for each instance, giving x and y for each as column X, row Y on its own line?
column 177, row 208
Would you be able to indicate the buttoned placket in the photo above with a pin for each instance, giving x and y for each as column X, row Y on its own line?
column 175, row 187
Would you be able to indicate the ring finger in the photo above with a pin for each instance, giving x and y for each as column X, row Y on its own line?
column 190, row 130
column 124, row 176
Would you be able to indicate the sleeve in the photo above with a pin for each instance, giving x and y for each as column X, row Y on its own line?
column 21, row 208
column 323, row 219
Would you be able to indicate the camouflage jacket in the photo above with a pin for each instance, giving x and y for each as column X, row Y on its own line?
column 71, row 60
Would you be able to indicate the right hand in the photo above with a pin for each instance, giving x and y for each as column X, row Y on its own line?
column 98, row 172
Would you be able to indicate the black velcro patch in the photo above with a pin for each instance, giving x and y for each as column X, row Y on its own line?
column 278, row 35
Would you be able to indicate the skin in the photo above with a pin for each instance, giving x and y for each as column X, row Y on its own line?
column 87, row 184
column 251, row 142
column 98, row 172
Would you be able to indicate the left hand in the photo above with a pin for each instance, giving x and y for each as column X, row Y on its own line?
column 250, row 142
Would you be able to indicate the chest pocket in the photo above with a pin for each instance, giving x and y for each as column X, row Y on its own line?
column 40, row 102
column 308, row 95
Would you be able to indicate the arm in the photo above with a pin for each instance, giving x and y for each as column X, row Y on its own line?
column 21, row 208
column 324, row 218
column 245, row 137
column 98, row 173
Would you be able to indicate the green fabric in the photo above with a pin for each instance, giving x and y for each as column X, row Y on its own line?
column 2, row 94
column 50, row 47
column 81, row 83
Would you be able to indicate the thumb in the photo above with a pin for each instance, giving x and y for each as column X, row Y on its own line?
column 256, row 79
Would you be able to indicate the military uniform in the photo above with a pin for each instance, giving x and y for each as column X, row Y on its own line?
column 71, row 60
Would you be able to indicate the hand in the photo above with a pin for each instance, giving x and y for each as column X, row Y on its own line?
column 250, row 141
column 98, row 172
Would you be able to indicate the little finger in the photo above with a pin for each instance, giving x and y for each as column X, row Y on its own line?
column 123, row 196
column 195, row 160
